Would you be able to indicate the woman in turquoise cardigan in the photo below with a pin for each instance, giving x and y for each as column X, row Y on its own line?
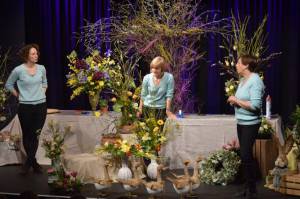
column 247, row 103
column 31, row 81
column 157, row 91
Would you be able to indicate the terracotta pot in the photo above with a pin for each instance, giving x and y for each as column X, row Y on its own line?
column 109, row 139
column 126, row 129
column 104, row 109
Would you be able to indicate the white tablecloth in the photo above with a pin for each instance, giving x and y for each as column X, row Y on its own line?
column 194, row 135
column 202, row 135
column 86, row 132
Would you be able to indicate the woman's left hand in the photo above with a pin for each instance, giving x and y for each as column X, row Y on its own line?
column 170, row 115
column 232, row 100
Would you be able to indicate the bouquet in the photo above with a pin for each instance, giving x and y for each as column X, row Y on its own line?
column 89, row 75
column 54, row 146
column 150, row 134
column 231, row 87
column 265, row 127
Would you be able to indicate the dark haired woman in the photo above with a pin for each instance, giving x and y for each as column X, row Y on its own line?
column 247, row 103
column 31, row 81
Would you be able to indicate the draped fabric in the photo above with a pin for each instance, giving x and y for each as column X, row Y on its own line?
column 51, row 23
column 282, row 78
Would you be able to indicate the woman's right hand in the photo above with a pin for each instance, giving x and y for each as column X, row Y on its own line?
column 139, row 114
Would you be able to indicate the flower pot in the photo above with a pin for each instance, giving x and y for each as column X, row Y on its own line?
column 126, row 129
column 94, row 100
column 104, row 109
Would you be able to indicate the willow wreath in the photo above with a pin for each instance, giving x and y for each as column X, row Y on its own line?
column 220, row 167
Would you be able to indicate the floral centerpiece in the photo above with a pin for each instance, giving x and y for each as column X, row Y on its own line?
column 265, row 129
column 63, row 181
column 151, row 134
column 89, row 75
column 54, row 146
column 126, row 93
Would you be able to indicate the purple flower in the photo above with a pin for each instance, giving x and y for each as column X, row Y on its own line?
column 106, row 76
column 81, row 64
column 97, row 76
column 108, row 53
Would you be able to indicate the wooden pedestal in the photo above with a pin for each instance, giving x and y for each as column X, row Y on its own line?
column 290, row 185
column 265, row 152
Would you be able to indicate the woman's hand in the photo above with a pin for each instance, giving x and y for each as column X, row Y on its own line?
column 232, row 100
column 139, row 113
column 170, row 115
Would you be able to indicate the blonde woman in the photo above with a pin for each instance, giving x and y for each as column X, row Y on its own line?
column 157, row 91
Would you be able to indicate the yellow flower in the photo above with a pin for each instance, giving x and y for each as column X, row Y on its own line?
column 129, row 93
column 92, row 83
column 162, row 139
column 146, row 137
column 227, row 89
column 113, row 99
column 97, row 113
column 130, row 115
column 101, row 83
column 142, row 124
column 265, row 126
column 111, row 62
column 156, row 129
column 134, row 97
column 106, row 144
column 231, row 87
column 125, row 148
column 226, row 62
column 160, row 122
column 89, row 78
column 234, row 47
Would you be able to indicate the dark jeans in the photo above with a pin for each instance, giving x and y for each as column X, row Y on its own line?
column 158, row 114
column 247, row 135
column 32, row 119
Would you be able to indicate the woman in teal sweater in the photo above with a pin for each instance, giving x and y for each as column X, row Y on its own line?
column 157, row 91
column 31, row 81
column 247, row 103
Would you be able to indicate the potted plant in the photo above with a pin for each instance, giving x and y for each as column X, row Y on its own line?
column 103, row 105
column 265, row 130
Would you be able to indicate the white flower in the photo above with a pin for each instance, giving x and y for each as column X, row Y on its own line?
column 226, row 62
column 261, row 129
column 266, row 126
column 234, row 47
column 232, row 63
column 227, row 89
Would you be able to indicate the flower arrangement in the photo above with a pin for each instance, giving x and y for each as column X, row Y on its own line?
column 126, row 93
column 3, row 91
column 66, row 181
column 89, row 75
column 265, row 127
column 54, row 146
column 150, row 134
column 220, row 167
column 122, row 148
column 231, row 87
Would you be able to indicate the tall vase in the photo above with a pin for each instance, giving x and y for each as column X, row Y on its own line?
column 94, row 100
column 152, row 169
column 124, row 172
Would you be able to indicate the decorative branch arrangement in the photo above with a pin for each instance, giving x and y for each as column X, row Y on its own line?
column 172, row 29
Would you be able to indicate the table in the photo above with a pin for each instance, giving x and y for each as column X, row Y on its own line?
column 203, row 135
column 86, row 131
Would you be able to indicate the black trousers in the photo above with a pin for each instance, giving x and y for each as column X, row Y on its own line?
column 32, row 119
column 247, row 135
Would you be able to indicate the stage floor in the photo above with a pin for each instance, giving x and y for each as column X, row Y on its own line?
column 13, row 183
